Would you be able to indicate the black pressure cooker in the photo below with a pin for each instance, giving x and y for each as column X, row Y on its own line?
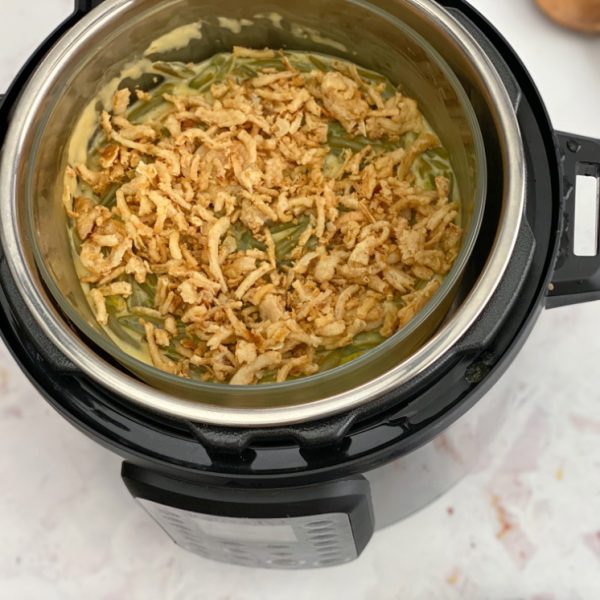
column 302, row 480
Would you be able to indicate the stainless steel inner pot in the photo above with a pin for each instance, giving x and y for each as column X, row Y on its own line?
column 403, row 39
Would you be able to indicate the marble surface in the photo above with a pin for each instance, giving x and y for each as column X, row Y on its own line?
column 524, row 525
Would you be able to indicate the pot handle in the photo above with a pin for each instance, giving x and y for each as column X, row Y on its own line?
column 328, row 432
column 576, row 278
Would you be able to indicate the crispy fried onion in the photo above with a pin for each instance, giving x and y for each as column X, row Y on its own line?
column 257, row 243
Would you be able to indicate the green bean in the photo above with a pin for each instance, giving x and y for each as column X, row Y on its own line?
column 361, row 344
column 408, row 139
column 368, row 77
column 245, row 240
column 172, row 354
column 155, row 102
column 244, row 70
column 143, row 109
column 285, row 245
column 358, row 143
column 282, row 235
column 282, row 227
column 110, row 197
column 432, row 164
column 398, row 301
column 218, row 60
column 351, row 357
column 435, row 160
column 209, row 73
column 301, row 66
column 336, row 129
column 367, row 339
column 371, row 75
column 389, row 92
column 175, row 69
column 329, row 361
column 197, row 372
column 269, row 376
column 116, row 327
column 138, row 311
column 249, row 242
column 440, row 152
column 312, row 243
column 450, row 178
column 317, row 62
column 76, row 241
column 226, row 68
column 266, row 63
column 133, row 323
column 304, row 222
column 181, row 335
column 437, row 163
column 149, row 286
column 375, row 78
column 339, row 139
column 281, row 231
column 203, row 80
column 115, row 304
column 424, row 174
column 338, row 143
column 146, row 83
column 217, row 70
column 140, row 297
column 95, row 139
column 283, row 249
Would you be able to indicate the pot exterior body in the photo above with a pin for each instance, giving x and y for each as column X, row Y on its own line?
column 410, row 483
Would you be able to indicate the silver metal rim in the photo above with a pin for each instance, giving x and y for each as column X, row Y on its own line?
column 54, row 326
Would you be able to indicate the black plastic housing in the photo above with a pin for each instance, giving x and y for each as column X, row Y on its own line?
column 348, row 496
column 356, row 441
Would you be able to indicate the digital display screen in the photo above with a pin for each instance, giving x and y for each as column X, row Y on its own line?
column 257, row 531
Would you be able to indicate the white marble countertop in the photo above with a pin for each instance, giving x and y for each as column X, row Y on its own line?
column 68, row 528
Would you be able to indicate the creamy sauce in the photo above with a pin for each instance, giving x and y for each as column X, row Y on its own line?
column 275, row 18
column 88, row 121
column 178, row 38
column 233, row 25
column 313, row 35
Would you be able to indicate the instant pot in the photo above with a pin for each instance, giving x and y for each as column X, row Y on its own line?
column 300, row 480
